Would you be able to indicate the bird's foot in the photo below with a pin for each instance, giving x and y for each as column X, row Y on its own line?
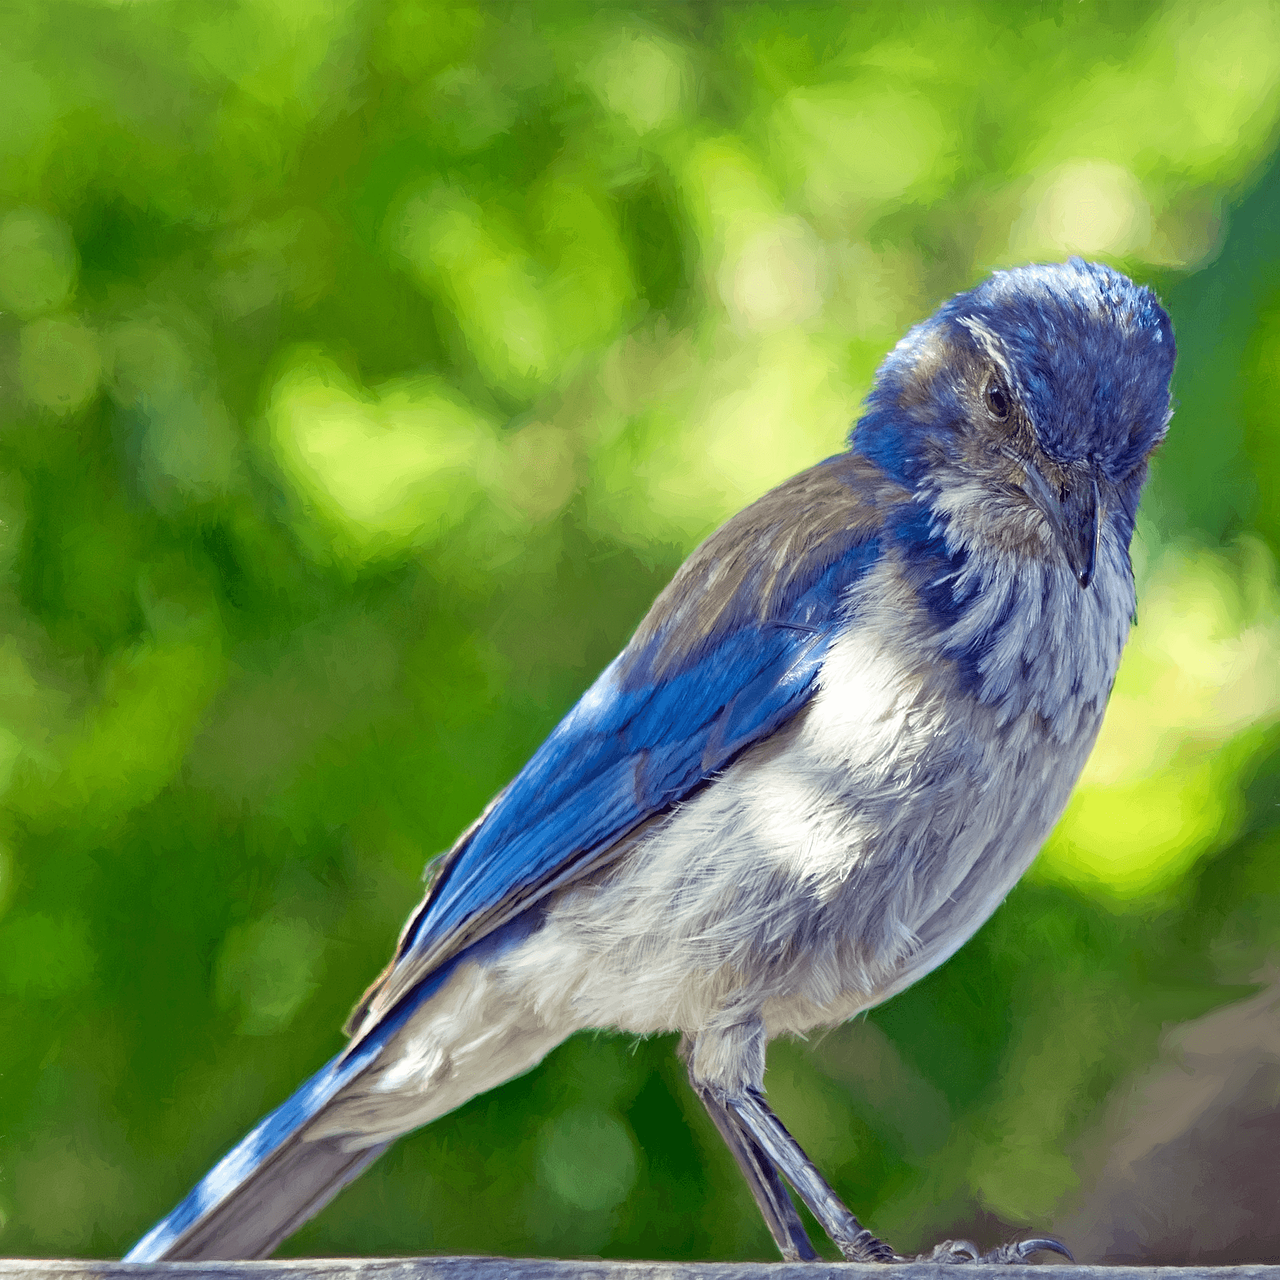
column 864, row 1247
column 1015, row 1251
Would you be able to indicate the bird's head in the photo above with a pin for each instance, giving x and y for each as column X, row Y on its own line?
column 1023, row 412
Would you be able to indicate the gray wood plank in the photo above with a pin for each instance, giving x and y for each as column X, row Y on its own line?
column 470, row 1268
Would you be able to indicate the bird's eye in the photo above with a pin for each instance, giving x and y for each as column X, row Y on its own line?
column 996, row 399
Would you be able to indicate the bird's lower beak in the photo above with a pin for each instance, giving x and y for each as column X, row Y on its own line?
column 1075, row 518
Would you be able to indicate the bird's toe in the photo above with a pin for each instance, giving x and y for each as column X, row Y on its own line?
column 1015, row 1251
column 864, row 1247
column 952, row 1251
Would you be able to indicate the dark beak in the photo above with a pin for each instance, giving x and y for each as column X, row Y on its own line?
column 1075, row 518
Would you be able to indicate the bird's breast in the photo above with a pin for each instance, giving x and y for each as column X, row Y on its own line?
column 937, row 788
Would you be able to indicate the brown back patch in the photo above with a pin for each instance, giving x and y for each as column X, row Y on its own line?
column 805, row 522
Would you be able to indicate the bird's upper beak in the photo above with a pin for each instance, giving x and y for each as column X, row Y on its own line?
column 1075, row 516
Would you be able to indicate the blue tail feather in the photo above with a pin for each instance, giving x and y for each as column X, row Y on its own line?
column 276, row 1177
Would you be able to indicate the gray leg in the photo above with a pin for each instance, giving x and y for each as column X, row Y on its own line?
column 853, row 1240
column 770, row 1195
column 726, row 1069
column 848, row 1234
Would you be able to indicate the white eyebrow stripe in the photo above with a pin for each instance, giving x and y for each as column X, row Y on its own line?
column 991, row 344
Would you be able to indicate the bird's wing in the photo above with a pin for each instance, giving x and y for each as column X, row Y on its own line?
column 729, row 652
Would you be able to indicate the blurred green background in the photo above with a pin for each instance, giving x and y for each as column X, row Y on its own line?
column 365, row 370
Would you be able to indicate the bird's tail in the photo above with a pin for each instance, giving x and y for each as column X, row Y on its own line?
column 289, row 1167
column 269, row 1184
column 278, row 1176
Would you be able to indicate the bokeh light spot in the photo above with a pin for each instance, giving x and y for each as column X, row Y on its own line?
column 587, row 1158
column 38, row 264
column 59, row 364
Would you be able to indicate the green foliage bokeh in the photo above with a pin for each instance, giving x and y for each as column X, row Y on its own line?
column 367, row 367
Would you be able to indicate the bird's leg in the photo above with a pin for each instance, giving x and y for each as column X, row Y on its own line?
column 848, row 1234
column 726, row 1070
column 766, row 1186
column 853, row 1240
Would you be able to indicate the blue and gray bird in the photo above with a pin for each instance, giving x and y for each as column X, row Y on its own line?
column 832, row 747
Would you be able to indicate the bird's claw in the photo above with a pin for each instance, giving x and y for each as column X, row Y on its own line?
column 1021, row 1250
column 958, row 1251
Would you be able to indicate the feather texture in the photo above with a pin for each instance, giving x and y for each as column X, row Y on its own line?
column 728, row 653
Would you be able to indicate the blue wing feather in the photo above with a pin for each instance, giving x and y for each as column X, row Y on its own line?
column 619, row 757
column 729, row 652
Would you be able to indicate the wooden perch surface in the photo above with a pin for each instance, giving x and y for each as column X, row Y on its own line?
column 558, row 1269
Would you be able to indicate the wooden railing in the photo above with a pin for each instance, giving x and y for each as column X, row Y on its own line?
column 558, row 1269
